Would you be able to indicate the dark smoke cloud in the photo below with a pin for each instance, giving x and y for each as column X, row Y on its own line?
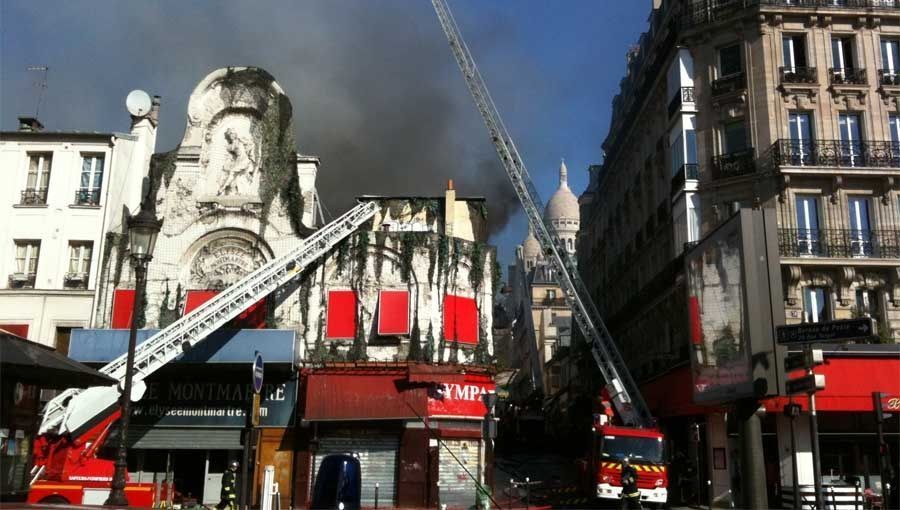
column 376, row 93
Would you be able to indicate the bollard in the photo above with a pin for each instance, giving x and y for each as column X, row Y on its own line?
column 527, row 492
column 376, row 494
column 512, row 486
column 708, row 495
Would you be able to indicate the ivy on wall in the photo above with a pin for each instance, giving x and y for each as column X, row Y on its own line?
column 428, row 351
column 168, row 315
column 415, row 341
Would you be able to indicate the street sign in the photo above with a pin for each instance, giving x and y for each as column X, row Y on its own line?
column 258, row 373
column 806, row 384
column 831, row 331
column 806, row 359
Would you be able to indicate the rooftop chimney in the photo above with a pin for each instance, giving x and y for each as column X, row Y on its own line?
column 449, row 184
column 30, row 124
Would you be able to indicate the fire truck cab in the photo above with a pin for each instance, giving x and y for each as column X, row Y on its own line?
column 644, row 448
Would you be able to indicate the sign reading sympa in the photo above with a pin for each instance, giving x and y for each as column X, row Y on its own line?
column 460, row 400
column 831, row 331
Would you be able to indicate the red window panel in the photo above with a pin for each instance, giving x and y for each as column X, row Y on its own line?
column 16, row 329
column 460, row 319
column 254, row 317
column 393, row 312
column 123, row 308
column 340, row 322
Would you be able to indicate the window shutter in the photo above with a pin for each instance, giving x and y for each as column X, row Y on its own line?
column 123, row 308
column 393, row 312
column 340, row 322
column 460, row 319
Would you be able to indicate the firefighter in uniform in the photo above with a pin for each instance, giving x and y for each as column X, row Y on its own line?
column 230, row 487
column 631, row 496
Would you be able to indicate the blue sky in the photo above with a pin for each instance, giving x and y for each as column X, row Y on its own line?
column 376, row 93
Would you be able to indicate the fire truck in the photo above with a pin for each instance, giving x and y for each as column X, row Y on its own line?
column 637, row 437
column 73, row 461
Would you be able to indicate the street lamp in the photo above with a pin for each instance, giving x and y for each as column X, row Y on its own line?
column 142, row 231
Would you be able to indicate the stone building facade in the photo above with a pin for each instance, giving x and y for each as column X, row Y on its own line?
column 728, row 104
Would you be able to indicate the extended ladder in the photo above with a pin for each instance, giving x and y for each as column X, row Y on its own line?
column 622, row 388
column 74, row 408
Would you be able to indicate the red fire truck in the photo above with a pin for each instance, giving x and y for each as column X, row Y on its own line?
column 643, row 447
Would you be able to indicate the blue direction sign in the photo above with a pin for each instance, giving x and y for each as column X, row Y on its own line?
column 831, row 331
column 258, row 373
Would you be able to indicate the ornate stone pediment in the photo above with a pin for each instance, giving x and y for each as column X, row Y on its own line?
column 224, row 261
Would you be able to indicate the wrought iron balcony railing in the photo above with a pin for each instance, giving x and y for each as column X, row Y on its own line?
column 889, row 77
column 34, row 196
column 839, row 243
column 733, row 164
column 553, row 301
column 839, row 76
column 22, row 280
column 687, row 171
column 87, row 197
column 836, row 153
column 728, row 84
column 684, row 96
column 798, row 74
column 76, row 280
column 711, row 11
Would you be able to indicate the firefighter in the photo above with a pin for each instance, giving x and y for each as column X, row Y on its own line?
column 631, row 496
column 230, row 487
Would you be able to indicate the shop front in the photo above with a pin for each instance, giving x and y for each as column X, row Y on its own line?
column 192, row 420
column 416, row 429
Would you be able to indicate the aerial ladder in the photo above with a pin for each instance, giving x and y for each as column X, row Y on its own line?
column 621, row 387
column 72, row 413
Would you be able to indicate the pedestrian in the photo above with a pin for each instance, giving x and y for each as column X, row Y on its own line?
column 631, row 495
column 229, row 487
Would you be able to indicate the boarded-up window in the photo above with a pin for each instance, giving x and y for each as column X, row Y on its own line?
column 393, row 312
column 16, row 329
column 460, row 319
column 123, row 308
column 254, row 317
column 340, row 322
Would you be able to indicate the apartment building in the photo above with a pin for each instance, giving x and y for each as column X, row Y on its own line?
column 64, row 190
column 783, row 104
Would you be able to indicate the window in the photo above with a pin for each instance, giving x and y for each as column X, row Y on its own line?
column 890, row 61
column 551, row 294
column 734, row 136
column 867, row 304
column 38, row 179
column 91, row 180
column 807, row 225
column 860, row 229
column 63, row 336
column 842, row 56
column 27, row 253
column 815, row 304
column 801, row 146
column 730, row 60
column 894, row 128
column 690, row 141
column 677, row 154
column 79, row 263
column 794, row 52
column 851, row 139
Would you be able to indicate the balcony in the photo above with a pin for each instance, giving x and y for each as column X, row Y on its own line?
column 733, row 165
column 34, row 196
column 89, row 197
column 729, row 84
column 839, row 243
column 836, row 154
column 838, row 76
column 712, row 11
column 684, row 96
column 553, row 301
column 888, row 78
column 22, row 280
column 75, row 280
column 798, row 75
column 687, row 171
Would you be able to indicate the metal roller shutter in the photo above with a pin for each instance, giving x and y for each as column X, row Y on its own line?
column 181, row 438
column 377, row 459
column 457, row 489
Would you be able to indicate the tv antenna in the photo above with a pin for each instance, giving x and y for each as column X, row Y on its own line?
column 41, row 85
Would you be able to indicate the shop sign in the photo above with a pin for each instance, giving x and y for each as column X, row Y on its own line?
column 459, row 400
column 890, row 403
column 213, row 404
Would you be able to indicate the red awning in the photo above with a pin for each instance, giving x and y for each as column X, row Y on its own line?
column 340, row 322
column 460, row 319
column 849, row 384
column 393, row 312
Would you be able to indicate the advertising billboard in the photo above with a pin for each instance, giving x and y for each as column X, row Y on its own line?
column 734, row 304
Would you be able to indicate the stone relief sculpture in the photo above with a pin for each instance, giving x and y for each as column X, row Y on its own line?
column 225, row 261
column 240, row 165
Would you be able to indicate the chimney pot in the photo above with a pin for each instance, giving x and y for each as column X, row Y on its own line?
column 449, row 184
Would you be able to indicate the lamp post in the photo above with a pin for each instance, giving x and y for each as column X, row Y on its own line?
column 142, row 231
column 489, row 432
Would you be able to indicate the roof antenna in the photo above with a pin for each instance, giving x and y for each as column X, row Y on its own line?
column 41, row 85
